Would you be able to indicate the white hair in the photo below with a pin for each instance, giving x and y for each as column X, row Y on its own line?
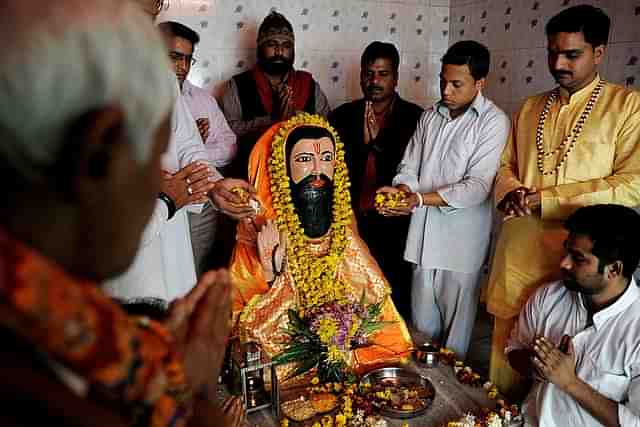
column 66, row 58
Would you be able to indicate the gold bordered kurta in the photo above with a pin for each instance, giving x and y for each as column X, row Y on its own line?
column 260, row 309
column 603, row 167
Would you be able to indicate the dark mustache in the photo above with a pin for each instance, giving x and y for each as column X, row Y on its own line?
column 371, row 88
column 277, row 58
column 562, row 73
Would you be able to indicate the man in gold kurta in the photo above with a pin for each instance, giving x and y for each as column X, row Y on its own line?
column 574, row 146
column 303, row 231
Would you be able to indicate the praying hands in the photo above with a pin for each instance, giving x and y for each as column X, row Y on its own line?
column 284, row 107
column 190, row 320
column 371, row 125
column 554, row 364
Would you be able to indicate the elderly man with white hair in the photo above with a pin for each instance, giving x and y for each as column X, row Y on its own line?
column 80, row 170
column 165, row 268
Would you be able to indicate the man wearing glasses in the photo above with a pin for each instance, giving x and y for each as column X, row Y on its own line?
column 218, row 138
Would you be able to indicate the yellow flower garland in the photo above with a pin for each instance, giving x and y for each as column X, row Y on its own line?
column 315, row 277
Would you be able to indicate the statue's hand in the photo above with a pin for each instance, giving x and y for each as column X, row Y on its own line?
column 271, row 249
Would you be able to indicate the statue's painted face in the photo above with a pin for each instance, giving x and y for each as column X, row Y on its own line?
column 312, row 156
column 311, row 168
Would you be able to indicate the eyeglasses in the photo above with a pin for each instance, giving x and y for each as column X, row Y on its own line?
column 180, row 57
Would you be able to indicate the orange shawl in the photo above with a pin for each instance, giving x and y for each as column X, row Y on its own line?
column 74, row 324
column 266, row 317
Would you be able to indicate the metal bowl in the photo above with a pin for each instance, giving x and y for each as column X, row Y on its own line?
column 400, row 377
column 427, row 355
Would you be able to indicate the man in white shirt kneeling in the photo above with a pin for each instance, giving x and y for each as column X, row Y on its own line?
column 579, row 338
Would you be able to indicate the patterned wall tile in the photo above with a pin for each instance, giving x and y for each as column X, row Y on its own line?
column 439, row 23
column 624, row 64
column 458, row 15
column 480, row 22
column 330, row 31
column 363, row 25
column 391, row 18
column 416, row 35
column 503, row 24
column 500, row 79
column 519, row 59
column 331, row 72
column 304, row 26
column 530, row 73
column 434, row 67
column 529, row 25
column 414, row 78
column 627, row 22
column 330, row 36
column 206, row 72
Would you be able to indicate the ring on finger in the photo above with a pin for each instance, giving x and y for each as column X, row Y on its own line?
column 189, row 190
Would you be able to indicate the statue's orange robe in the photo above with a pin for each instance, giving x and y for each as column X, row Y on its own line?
column 260, row 309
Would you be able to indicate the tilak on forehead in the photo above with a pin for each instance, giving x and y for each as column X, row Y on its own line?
column 288, row 131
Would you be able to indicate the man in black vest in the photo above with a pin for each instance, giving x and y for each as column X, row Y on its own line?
column 376, row 130
column 270, row 92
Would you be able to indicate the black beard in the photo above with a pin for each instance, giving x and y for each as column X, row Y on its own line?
column 572, row 284
column 313, row 205
column 276, row 65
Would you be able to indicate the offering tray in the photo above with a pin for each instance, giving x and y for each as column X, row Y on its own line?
column 400, row 379
column 307, row 404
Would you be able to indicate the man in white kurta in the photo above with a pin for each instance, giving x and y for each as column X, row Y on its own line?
column 218, row 138
column 579, row 338
column 608, row 353
column 220, row 143
column 164, row 267
column 448, row 170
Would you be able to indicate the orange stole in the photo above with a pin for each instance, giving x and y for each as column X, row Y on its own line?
column 266, row 314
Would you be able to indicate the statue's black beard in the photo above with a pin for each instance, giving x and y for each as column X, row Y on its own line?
column 313, row 204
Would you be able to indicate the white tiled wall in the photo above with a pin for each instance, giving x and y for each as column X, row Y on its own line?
column 514, row 32
column 331, row 34
column 330, row 37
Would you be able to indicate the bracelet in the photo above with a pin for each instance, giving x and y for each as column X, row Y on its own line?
column 420, row 200
column 171, row 205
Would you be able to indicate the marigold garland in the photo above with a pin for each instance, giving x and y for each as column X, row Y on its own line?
column 315, row 277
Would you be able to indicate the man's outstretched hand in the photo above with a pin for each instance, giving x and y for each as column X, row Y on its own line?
column 189, row 185
column 231, row 203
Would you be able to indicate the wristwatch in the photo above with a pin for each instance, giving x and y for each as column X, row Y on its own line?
column 171, row 205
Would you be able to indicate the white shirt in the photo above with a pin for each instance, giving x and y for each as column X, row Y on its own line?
column 458, row 159
column 607, row 354
column 164, row 268
column 221, row 143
